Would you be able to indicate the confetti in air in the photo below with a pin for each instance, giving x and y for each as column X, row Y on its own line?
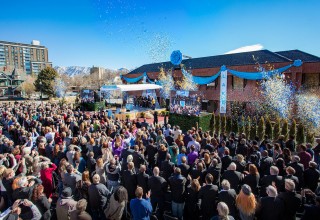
column 187, row 82
column 309, row 111
column 278, row 95
column 60, row 87
column 165, row 79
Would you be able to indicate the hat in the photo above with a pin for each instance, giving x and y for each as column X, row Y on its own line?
column 67, row 192
column 246, row 189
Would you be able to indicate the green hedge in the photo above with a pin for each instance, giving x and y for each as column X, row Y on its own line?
column 93, row 106
column 186, row 121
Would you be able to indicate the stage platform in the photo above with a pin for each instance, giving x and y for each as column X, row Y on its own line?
column 122, row 114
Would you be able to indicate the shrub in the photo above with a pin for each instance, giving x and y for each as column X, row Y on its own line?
column 223, row 123
column 285, row 128
column 242, row 125
column 248, row 127
column 253, row 130
column 229, row 125
column 269, row 129
column 261, row 128
column 217, row 125
column 310, row 137
column 301, row 137
column 235, row 127
column 277, row 128
column 293, row 128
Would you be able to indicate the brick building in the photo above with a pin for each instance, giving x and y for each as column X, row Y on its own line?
column 307, row 76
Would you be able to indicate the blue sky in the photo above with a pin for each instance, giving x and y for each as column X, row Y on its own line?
column 130, row 33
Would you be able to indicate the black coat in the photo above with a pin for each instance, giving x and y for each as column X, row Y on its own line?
column 142, row 181
column 215, row 172
column 44, row 207
column 311, row 212
column 299, row 168
column 292, row 203
column 129, row 181
column 192, row 206
column 267, row 181
column 207, row 200
column 265, row 164
column 185, row 169
column 311, row 178
column 270, row 208
column 253, row 182
column 229, row 197
column 178, row 188
column 151, row 152
column 158, row 186
column 167, row 168
column 234, row 178
column 226, row 160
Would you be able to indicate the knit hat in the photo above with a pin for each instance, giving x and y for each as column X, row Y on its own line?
column 67, row 192
column 246, row 189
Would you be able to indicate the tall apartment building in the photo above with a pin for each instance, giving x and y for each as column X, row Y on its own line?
column 31, row 58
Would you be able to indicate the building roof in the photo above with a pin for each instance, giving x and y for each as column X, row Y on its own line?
column 237, row 59
column 298, row 54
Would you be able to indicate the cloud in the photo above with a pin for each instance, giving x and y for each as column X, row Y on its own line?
column 246, row 49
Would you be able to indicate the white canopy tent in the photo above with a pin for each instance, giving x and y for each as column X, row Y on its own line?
column 130, row 87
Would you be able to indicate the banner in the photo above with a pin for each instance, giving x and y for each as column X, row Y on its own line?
column 223, row 92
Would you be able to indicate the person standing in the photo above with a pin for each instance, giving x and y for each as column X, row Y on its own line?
column 178, row 190
column 65, row 204
column 246, row 203
column 141, row 209
column 46, row 177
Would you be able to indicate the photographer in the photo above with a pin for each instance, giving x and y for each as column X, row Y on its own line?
column 15, row 212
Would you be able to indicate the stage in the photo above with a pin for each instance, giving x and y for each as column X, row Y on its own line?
column 122, row 114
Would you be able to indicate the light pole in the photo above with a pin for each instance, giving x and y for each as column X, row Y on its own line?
column 40, row 83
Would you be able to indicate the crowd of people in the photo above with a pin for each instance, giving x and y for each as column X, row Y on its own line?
column 185, row 110
column 58, row 163
column 144, row 101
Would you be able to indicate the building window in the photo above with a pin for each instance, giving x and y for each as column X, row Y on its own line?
column 310, row 80
column 237, row 83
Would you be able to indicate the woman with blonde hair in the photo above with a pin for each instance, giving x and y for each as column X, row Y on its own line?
column 100, row 170
column 246, row 203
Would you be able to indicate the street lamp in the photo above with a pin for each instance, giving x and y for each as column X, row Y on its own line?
column 40, row 83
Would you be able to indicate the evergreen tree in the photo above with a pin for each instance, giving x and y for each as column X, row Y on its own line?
column 301, row 137
column 217, row 125
column 223, row 123
column 253, row 129
column 269, row 129
column 293, row 128
column 229, row 125
column 277, row 128
column 285, row 129
column 310, row 137
column 235, row 127
column 242, row 125
column 261, row 128
column 212, row 122
column 45, row 81
column 248, row 127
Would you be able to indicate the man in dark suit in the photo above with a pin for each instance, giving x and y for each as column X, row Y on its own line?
column 272, row 179
column 142, row 180
column 234, row 177
column 215, row 171
column 270, row 207
column 129, row 181
column 185, row 168
column 158, row 187
column 178, row 191
column 311, row 176
column 151, row 152
column 292, row 200
column 167, row 168
column 207, row 198
column 265, row 163
column 226, row 160
column 299, row 168
column 138, row 158
column 228, row 196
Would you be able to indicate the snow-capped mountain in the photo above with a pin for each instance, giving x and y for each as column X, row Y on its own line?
column 73, row 70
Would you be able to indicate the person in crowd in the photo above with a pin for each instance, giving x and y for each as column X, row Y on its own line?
column 273, row 178
column 141, row 208
column 129, row 180
column 83, row 186
column 117, row 204
column 46, row 177
column 234, row 177
column 158, row 187
column 80, row 212
column 65, row 204
column 167, row 167
column 246, row 203
column 207, row 197
column 223, row 212
column 113, row 170
column 142, row 179
column 98, row 197
column 43, row 204
column 291, row 199
column 70, row 178
column 228, row 196
column 311, row 176
column 192, row 207
column 305, row 157
column 252, row 179
column 270, row 207
column 178, row 190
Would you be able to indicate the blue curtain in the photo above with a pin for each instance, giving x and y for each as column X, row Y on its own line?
column 134, row 80
column 202, row 80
